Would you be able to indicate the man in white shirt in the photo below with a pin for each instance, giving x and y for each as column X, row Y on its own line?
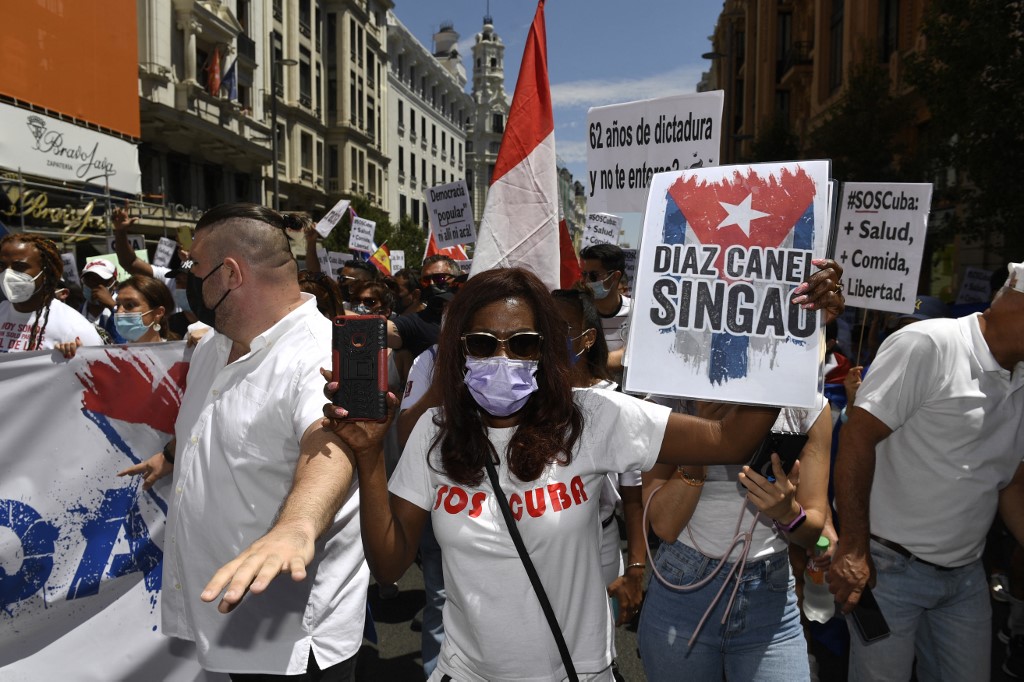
column 250, row 456
column 604, row 267
column 932, row 447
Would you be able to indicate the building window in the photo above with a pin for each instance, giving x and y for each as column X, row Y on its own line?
column 332, row 100
column 242, row 185
column 497, row 123
column 835, row 46
column 403, row 207
column 401, row 161
column 332, row 162
column 416, row 211
column 305, row 78
column 888, row 28
column 306, row 152
column 401, row 115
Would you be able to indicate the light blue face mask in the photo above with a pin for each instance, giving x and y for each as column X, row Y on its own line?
column 599, row 289
column 130, row 325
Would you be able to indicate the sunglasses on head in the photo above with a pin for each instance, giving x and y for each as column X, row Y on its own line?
column 595, row 275
column 437, row 278
column 519, row 345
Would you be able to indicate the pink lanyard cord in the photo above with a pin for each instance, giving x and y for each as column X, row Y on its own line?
column 736, row 570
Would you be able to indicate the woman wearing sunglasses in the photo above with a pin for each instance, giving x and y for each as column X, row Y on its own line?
column 507, row 399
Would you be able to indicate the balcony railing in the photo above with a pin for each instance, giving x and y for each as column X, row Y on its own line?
column 307, row 175
column 305, row 100
column 304, row 29
column 332, row 185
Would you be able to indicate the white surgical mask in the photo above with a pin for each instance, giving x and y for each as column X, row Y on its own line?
column 18, row 287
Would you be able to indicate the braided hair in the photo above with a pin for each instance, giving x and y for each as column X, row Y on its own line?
column 52, row 270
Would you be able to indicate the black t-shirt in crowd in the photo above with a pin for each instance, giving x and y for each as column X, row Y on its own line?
column 419, row 331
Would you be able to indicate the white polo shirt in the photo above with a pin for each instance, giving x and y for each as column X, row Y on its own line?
column 238, row 435
column 958, row 437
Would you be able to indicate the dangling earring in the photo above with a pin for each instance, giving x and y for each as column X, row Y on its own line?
column 156, row 327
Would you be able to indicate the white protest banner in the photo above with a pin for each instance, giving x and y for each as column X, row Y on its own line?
column 601, row 228
column 165, row 249
column 721, row 253
column 397, row 260
column 49, row 147
column 628, row 143
column 360, row 238
column 81, row 548
column 451, row 218
column 323, row 260
column 122, row 274
column 331, row 219
column 70, row 267
column 137, row 242
column 976, row 286
column 336, row 261
column 879, row 241
column 630, row 255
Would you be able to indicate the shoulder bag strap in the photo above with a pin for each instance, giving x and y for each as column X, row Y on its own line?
column 517, row 540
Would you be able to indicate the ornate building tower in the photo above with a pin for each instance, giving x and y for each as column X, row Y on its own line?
column 487, row 124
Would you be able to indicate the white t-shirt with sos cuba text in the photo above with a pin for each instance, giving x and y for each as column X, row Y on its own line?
column 494, row 626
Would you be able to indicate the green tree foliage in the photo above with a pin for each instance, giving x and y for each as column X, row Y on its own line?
column 971, row 75
column 860, row 134
column 405, row 236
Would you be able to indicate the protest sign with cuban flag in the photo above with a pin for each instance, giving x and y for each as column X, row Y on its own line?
column 722, row 251
column 520, row 222
column 81, row 549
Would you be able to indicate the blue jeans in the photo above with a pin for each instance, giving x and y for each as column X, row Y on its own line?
column 942, row 616
column 761, row 640
column 433, row 585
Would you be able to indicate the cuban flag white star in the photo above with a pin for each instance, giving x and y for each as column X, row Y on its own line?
column 740, row 215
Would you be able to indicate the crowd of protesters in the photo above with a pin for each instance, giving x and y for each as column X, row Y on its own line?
column 501, row 388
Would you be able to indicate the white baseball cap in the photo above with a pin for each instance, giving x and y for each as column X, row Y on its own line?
column 100, row 266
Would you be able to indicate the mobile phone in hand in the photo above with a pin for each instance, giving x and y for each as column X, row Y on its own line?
column 360, row 366
column 787, row 444
column 867, row 617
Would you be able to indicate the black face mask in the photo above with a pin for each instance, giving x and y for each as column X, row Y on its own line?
column 194, row 290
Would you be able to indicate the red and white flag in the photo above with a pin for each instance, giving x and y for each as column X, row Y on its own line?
column 520, row 223
column 455, row 252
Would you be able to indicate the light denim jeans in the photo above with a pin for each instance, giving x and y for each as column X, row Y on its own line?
column 944, row 617
column 761, row 640
column 433, row 585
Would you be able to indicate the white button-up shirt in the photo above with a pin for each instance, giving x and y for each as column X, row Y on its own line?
column 238, row 435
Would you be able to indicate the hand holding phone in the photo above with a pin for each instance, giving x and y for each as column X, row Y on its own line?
column 360, row 366
column 787, row 444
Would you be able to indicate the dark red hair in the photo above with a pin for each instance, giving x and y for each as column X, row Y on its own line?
column 550, row 422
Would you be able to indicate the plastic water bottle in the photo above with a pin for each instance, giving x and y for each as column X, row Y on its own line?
column 819, row 604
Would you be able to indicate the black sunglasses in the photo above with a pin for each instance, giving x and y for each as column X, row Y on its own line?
column 519, row 345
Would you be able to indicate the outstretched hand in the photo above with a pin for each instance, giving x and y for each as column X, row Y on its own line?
column 121, row 219
column 287, row 548
column 152, row 470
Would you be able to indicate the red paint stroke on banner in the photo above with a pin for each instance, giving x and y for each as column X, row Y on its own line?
column 124, row 388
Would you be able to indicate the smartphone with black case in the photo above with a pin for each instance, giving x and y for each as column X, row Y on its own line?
column 360, row 354
column 868, row 618
column 789, row 445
